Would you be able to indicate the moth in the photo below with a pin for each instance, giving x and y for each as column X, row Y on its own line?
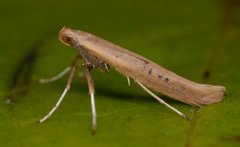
column 96, row 52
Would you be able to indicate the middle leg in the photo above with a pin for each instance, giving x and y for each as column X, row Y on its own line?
column 91, row 92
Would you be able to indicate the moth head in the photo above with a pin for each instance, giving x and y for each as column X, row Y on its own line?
column 66, row 36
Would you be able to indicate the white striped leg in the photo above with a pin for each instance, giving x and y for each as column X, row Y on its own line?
column 160, row 100
column 73, row 69
column 91, row 92
column 55, row 78
column 128, row 80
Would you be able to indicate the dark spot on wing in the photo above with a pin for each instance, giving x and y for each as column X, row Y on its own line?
column 166, row 79
column 116, row 56
column 146, row 62
column 159, row 76
column 150, row 71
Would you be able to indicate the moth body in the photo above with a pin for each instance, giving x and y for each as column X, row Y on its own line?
column 101, row 53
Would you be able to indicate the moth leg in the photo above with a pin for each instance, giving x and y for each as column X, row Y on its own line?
column 91, row 92
column 68, row 85
column 55, row 78
column 106, row 67
column 61, row 74
column 160, row 100
column 128, row 80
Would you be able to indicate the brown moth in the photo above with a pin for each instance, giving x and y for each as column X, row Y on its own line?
column 99, row 53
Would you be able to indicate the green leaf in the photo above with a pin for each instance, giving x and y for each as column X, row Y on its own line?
column 196, row 39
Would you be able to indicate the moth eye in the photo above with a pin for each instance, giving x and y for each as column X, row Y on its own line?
column 67, row 39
